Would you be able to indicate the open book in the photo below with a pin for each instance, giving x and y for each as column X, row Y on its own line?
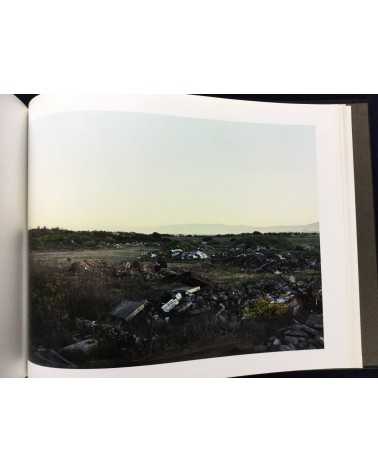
column 173, row 236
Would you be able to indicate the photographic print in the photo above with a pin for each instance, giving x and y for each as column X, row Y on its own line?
column 157, row 239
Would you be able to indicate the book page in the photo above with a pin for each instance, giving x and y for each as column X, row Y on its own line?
column 13, row 163
column 190, row 236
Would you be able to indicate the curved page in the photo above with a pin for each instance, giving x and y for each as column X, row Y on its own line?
column 191, row 236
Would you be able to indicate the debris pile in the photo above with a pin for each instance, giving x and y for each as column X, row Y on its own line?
column 127, row 310
column 80, row 350
column 300, row 335
column 222, row 295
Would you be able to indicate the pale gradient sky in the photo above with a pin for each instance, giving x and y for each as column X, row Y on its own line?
column 120, row 171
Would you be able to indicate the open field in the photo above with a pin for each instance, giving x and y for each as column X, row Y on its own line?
column 64, row 258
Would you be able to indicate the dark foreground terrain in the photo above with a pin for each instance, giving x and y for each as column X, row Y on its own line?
column 101, row 299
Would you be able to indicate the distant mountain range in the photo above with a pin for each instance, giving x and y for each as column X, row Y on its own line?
column 208, row 229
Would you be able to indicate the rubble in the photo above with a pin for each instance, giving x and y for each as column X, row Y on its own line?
column 50, row 356
column 299, row 335
column 198, row 254
column 176, row 252
column 165, row 300
column 185, row 307
column 79, row 266
column 122, row 269
column 172, row 303
column 127, row 310
column 192, row 291
column 80, row 349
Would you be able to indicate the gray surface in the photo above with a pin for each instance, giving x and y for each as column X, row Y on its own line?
column 367, row 254
column 13, row 163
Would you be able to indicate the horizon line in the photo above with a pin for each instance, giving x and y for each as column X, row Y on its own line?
column 140, row 228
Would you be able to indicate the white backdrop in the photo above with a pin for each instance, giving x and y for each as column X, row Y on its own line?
column 199, row 46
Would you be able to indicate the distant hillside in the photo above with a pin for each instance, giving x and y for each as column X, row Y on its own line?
column 230, row 229
column 310, row 228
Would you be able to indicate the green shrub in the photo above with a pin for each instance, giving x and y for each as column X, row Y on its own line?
column 264, row 309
